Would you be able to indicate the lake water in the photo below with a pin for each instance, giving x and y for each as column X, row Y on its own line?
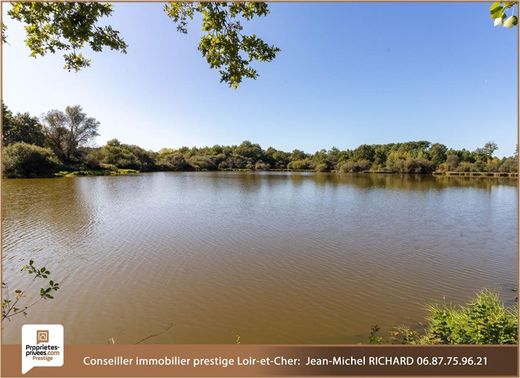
column 272, row 257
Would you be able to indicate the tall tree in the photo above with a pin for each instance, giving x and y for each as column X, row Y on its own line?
column 488, row 150
column 66, row 131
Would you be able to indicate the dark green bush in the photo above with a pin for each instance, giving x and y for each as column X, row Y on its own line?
column 27, row 160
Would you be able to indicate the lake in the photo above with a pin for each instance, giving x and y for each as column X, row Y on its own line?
column 272, row 257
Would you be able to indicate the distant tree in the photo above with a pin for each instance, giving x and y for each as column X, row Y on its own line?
column 297, row 155
column 202, row 163
column 117, row 154
column 21, row 127
column 488, row 150
column 173, row 161
column 262, row 166
column 66, row 131
column 437, row 153
column 452, row 162
column 364, row 152
column 277, row 159
column 249, row 150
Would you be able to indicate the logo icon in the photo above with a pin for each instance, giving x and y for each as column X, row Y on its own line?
column 42, row 336
column 42, row 345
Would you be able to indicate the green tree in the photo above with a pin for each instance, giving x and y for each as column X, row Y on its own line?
column 66, row 131
column 119, row 155
column 70, row 28
column 249, row 150
column 488, row 150
column 437, row 153
column 21, row 127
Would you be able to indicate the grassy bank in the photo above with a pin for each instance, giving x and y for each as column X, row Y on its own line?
column 102, row 172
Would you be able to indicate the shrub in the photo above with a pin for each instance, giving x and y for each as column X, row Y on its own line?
column 358, row 166
column 299, row 164
column 27, row 160
column 509, row 165
column 322, row 167
column 484, row 320
column 347, row 167
column 174, row 162
column 202, row 163
column 261, row 166
column 452, row 162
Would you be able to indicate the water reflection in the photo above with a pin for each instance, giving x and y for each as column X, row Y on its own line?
column 274, row 257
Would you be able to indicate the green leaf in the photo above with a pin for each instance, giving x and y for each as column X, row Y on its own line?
column 510, row 22
column 495, row 5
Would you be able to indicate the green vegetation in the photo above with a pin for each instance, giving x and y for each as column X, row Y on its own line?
column 499, row 13
column 483, row 320
column 28, row 160
column 17, row 303
column 59, row 144
column 71, row 27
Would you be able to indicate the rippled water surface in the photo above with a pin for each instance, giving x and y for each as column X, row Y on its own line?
column 274, row 257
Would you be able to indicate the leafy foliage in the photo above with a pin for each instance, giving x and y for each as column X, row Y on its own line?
column 53, row 27
column 498, row 12
column 21, row 127
column 483, row 320
column 67, row 27
column 27, row 160
column 17, row 303
column 223, row 43
column 69, row 134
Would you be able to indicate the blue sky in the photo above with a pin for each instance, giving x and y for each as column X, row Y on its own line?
column 348, row 74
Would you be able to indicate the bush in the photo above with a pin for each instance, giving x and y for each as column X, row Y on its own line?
column 347, row 167
column 262, row 166
column 202, row 163
column 27, row 160
column 322, row 167
column 484, row 320
column 509, row 165
column 174, row 162
column 358, row 166
column 300, row 164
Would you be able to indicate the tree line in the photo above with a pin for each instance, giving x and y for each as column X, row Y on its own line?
column 60, row 141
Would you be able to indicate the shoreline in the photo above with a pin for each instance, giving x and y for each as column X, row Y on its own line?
column 134, row 172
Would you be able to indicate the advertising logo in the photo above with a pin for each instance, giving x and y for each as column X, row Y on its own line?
column 42, row 345
column 42, row 336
